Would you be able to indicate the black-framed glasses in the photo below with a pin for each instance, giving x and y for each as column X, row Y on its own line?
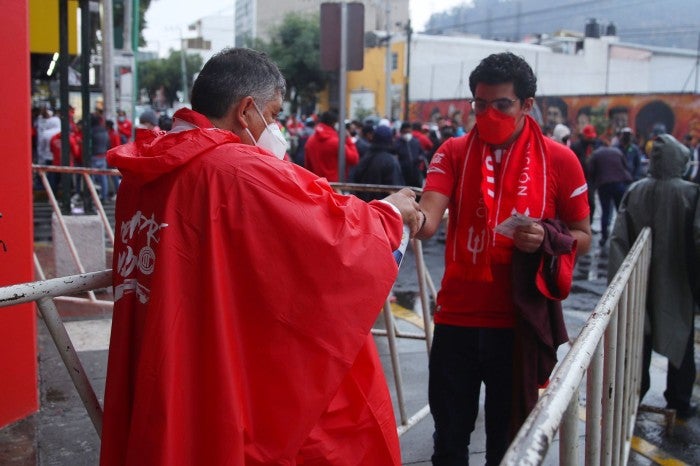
column 502, row 105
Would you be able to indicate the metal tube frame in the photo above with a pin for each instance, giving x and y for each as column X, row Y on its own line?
column 535, row 436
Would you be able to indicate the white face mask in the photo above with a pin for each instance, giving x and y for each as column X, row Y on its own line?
column 407, row 136
column 271, row 138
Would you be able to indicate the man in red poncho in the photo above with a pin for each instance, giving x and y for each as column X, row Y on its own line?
column 245, row 289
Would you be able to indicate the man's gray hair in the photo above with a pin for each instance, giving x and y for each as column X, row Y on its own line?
column 233, row 74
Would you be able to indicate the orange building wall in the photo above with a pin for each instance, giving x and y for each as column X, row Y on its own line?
column 18, row 358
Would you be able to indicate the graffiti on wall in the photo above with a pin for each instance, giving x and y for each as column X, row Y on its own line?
column 678, row 113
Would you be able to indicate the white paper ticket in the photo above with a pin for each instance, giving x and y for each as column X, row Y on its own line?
column 508, row 226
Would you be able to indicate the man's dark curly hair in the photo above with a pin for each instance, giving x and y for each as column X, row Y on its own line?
column 500, row 68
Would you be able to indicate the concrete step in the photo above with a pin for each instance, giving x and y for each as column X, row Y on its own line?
column 42, row 219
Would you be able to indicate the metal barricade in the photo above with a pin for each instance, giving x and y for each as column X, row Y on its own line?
column 425, row 285
column 57, row 288
column 42, row 292
column 609, row 348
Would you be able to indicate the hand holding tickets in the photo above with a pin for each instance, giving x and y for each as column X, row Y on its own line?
column 508, row 226
column 526, row 232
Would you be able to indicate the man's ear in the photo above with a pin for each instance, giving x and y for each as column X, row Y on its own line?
column 528, row 104
column 240, row 114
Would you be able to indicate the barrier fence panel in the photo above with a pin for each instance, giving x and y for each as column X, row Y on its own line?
column 42, row 292
column 425, row 285
column 608, row 349
column 57, row 288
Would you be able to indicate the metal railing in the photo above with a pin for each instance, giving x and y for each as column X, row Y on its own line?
column 609, row 352
column 59, row 287
column 391, row 331
column 613, row 364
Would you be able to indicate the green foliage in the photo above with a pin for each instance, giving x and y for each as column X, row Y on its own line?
column 118, row 15
column 166, row 73
column 295, row 46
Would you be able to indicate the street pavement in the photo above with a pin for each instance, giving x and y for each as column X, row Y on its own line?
column 61, row 433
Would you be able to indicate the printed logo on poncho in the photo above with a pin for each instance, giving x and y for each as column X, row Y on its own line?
column 133, row 232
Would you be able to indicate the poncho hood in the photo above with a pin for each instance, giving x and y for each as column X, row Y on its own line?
column 324, row 132
column 668, row 158
column 155, row 153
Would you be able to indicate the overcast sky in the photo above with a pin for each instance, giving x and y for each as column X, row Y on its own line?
column 166, row 18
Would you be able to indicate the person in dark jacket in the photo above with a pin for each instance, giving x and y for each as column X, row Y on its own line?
column 378, row 165
column 364, row 140
column 671, row 207
column 607, row 172
column 100, row 144
column 411, row 157
column 633, row 154
column 583, row 148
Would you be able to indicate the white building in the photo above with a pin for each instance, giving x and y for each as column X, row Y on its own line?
column 256, row 18
column 210, row 34
column 440, row 66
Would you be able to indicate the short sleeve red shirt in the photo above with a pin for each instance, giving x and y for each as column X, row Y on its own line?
column 490, row 304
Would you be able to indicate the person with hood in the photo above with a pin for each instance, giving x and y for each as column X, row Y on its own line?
column 231, row 342
column 378, row 165
column 671, row 207
column 633, row 154
column 583, row 148
column 507, row 187
column 321, row 150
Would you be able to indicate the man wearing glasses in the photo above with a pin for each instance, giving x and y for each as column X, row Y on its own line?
column 502, row 173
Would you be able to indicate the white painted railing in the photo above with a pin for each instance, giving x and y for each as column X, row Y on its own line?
column 609, row 352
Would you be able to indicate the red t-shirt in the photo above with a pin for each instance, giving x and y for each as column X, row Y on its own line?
column 490, row 304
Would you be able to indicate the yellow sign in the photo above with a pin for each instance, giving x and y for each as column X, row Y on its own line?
column 43, row 26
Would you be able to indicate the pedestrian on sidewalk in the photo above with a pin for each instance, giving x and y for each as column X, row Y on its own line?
column 608, row 174
column 671, row 207
column 503, row 166
column 245, row 289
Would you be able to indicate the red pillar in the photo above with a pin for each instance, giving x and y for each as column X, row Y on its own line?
column 18, row 356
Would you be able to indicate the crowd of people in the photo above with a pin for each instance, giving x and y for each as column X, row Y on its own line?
column 231, row 343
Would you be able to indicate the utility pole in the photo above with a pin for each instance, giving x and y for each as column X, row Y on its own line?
column 387, row 64
column 406, row 109
column 128, row 8
column 342, row 89
column 108, row 58
column 697, row 66
column 135, row 91
column 183, row 67
column 63, row 59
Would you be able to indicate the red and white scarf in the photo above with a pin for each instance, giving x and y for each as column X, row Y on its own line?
column 491, row 192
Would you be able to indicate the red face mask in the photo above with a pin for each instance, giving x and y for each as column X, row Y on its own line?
column 495, row 127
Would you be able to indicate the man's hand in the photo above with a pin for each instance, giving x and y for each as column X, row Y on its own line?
column 405, row 201
column 529, row 238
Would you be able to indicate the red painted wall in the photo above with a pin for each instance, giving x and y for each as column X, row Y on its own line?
column 18, row 358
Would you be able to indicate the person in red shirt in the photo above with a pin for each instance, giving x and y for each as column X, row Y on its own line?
column 124, row 126
column 425, row 143
column 114, row 139
column 231, row 342
column 501, row 168
column 321, row 150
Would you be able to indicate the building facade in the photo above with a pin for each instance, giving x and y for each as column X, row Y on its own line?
column 255, row 19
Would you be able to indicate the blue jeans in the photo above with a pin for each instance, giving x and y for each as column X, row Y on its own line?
column 99, row 161
column 460, row 360
column 609, row 194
